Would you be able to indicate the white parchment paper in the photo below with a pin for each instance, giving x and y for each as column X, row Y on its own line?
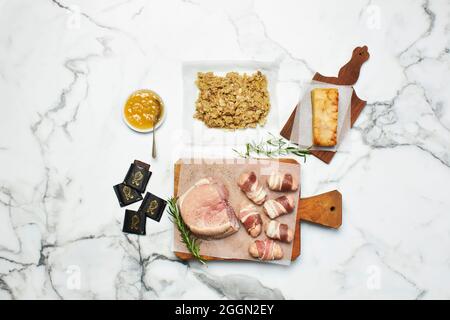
column 195, row 132
column 228, row 171
column 302, row 129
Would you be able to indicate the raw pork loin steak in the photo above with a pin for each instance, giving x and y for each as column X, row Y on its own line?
column 205, row 209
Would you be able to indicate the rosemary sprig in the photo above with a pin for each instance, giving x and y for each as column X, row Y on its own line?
column 272, row 147
column 188, row 239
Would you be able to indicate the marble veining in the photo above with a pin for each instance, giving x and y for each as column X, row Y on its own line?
column 66, row 68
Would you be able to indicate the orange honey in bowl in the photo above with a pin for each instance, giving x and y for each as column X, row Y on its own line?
column 143, row 110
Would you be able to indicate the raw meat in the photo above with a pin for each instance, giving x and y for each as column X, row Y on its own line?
column 205, row 209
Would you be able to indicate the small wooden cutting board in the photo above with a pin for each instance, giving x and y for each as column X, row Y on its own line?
column 348, row 75
column 324, row 209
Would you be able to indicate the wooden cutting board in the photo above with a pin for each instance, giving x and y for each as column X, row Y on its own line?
column 324, row 209
column 348, row 75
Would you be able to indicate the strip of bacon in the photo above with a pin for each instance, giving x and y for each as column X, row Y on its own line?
column 279, row 231
column 284, row 232
column 248, row 182
column 266, row 250
column 282, row 182
column 286, row 202
column 251, row 219
column 279, row 206
column 252, row 188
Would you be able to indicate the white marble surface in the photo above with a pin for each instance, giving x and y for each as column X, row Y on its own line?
column 65, row 70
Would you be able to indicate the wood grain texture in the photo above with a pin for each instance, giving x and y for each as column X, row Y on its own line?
column 348, row 75
column 314, row 209
column 324, row 209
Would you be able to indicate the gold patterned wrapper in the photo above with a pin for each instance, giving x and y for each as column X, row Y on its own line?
column 153, row 206
column 138, row 175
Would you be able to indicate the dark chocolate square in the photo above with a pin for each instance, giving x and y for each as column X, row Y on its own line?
column 153, row 206
column 138, row 175
column 126, row 195
column 134, row 222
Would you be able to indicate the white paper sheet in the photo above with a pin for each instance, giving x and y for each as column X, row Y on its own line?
column 302, row 129
column 195, row 132
column 227, row 171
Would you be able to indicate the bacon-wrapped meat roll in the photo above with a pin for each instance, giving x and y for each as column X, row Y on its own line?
column 253, row 189
column 279, row 206
column 251, row 219
column 266, row 250
column 282, row 182
column 279, row 231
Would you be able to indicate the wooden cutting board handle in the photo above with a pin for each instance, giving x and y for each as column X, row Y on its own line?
column 349, row 73
column 324, row 209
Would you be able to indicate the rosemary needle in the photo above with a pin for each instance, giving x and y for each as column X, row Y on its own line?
column 191, row 242
column 272, row 147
